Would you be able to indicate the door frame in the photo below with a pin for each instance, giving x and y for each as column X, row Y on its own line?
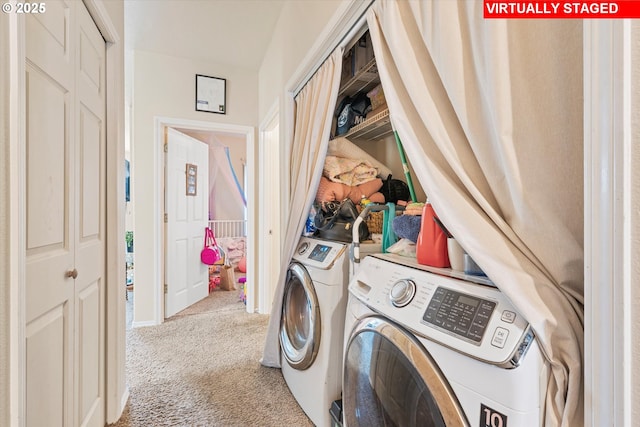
column 609, row 227
column 14, row 351
column 270, row 256
column 160, row 123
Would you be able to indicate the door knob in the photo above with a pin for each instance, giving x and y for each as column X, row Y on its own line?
column 71, row 273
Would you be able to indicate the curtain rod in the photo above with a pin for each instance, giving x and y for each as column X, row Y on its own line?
column 344, row 40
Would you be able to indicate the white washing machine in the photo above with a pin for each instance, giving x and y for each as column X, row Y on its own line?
column 423, row 349
column 312, row 325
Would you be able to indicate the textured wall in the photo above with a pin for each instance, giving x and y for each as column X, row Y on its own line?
column 298, row 28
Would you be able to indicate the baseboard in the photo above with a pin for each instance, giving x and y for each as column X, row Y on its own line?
column 143, row 324
column 123, row 403
column 125, row 398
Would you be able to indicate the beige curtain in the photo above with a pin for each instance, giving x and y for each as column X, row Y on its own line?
column 490, row 114
column 314, row 108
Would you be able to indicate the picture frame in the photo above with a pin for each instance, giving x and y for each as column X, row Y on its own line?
column 211, row 94
column 191, row 179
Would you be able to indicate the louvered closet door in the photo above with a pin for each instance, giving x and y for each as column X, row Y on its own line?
column 65, row 217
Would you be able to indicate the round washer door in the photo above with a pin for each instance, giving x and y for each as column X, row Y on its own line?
column 300, row 321
column 391, row 380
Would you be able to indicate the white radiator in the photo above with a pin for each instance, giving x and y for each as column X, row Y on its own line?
column 228, row 227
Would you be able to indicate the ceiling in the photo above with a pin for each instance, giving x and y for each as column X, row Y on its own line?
column 229, row 32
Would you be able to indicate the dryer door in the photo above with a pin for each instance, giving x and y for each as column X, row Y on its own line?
column 300, row 322
column 391, row 380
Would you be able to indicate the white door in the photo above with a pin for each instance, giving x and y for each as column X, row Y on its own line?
column 269, row 193
column 65, row 217
column 187, row 215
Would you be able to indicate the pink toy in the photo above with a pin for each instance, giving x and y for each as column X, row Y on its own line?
column 214, row 282
column 242, row 264
column 243, row 289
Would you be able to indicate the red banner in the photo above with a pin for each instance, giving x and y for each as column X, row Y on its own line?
column 518, row 9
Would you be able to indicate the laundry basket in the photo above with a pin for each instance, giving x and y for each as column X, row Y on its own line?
column 374, row 222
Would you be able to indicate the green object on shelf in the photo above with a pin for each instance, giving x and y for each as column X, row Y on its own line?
column 405, row 167
column 128, row 237
column 388, row 235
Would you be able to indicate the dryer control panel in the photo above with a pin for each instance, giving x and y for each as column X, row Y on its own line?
column 318, row 253
column 474, row 319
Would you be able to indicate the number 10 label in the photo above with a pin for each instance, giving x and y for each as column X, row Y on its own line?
column 491, row 418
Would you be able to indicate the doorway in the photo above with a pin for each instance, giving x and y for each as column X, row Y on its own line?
column 195, row 128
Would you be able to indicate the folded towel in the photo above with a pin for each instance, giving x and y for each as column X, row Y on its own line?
column 348, row 171
column 407, row 227
column 414, row 209
column 342, row 147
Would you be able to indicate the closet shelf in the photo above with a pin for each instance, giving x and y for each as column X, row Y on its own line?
column 374, row 127
column 363, row 81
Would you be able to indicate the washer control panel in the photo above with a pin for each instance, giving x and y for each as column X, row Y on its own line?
column 318, row 253
column 473, row 319
column 466, row 316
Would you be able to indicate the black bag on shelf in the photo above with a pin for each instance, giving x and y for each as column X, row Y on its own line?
column 351, row 111
column 345, row 115
column 334, row 221
column 394, row 190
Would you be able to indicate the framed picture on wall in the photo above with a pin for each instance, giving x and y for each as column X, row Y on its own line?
column 211, row 94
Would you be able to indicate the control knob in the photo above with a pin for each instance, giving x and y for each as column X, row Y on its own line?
column 402, row 292
column 303, row 248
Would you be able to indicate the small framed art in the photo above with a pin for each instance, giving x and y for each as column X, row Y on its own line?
column 192, row 179
column 211, row 94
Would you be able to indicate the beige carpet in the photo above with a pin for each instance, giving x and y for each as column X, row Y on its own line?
column 201, row 368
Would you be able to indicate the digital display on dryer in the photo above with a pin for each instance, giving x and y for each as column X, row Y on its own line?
column 319, row 253
column 463, row 315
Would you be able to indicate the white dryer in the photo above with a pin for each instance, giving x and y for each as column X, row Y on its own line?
column 312, row 325
column 429, row 350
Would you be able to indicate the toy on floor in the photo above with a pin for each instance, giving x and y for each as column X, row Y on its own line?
column 214, row 278
column 242, row 265
column 243, row 289
column 214, row 283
